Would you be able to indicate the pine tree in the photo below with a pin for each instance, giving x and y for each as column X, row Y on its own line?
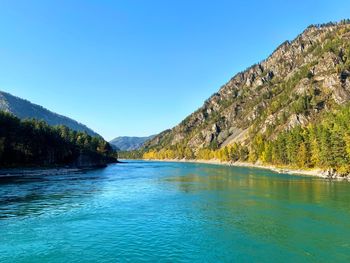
column 302, row 158
column 267, row 153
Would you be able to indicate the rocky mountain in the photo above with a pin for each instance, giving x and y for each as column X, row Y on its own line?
column 294, row 86
column 128, row 143
column 24, row 109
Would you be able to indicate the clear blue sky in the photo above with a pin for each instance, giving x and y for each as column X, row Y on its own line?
column 139, row 67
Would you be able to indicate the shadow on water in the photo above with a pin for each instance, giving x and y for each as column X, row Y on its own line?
column 34, row 191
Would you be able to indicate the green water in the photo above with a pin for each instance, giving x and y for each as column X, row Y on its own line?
column 173, row 212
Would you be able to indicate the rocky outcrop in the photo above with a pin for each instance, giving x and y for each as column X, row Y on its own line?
column 293, row 86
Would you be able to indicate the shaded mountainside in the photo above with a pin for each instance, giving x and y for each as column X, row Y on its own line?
column 35, row 143
column 129, row 143
column 295, row 86
column 24, row 109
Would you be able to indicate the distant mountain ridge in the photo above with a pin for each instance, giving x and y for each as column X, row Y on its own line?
column 24, row 109
column 129, row 143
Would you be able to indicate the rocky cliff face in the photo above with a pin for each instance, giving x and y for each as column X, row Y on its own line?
column 298, row 82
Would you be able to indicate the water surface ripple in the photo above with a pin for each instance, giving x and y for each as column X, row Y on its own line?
column 173, row 212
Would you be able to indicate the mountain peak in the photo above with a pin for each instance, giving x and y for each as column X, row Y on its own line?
column 293, row 86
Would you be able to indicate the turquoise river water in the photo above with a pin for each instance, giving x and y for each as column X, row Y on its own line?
column 173, row 212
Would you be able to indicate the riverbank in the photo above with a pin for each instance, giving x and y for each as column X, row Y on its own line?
column 317, row 172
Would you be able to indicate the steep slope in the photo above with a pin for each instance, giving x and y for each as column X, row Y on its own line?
column 35, row 143
column 24, row 109
column 128, row 143
column 294, row 86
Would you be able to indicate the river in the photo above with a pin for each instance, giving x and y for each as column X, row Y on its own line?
column 173, row 212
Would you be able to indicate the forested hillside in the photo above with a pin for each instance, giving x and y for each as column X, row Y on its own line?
column 290, row 109
column 324, row 144
column 24, row 109
column 35, row 143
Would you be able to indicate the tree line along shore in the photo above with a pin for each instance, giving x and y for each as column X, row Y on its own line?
column 33, row 142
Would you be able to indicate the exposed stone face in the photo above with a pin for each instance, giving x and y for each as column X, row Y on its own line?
column 327, row 63
column 302, row 87
column 266, row 97
column 196, row 141
column 339, row 91
column 296, row 119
